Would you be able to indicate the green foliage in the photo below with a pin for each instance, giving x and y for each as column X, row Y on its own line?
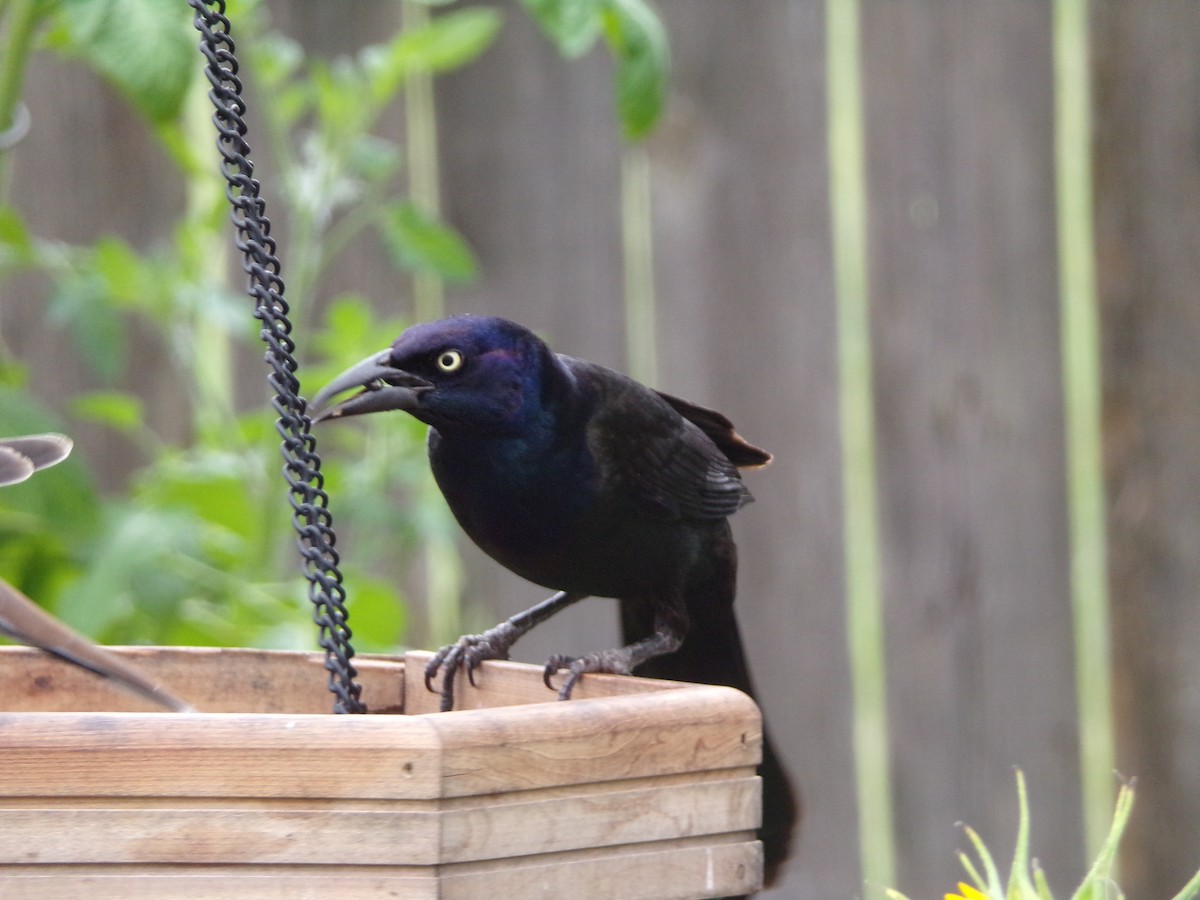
column 421, row 243
column 199, row 547
column 636, row 39
column 1027, row 881
column 144, row 48
column 639, row 44
column 573, row 25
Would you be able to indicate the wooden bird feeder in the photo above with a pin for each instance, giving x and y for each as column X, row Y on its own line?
column 634, row 789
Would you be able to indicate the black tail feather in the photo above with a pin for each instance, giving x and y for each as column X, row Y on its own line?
column 712, row 653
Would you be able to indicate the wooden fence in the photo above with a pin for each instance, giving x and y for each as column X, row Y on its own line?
column 963, row 278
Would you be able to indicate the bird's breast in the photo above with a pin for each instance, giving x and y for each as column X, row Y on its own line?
column 548, row 520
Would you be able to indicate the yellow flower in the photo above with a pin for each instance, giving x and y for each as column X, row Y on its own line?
column 967, row 893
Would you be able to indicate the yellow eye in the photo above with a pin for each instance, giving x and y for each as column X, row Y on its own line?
column 450, row 360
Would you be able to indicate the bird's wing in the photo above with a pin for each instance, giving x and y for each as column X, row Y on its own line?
column 20, row 457
column 22, row 619
column 651, row 454
column 14, row 467
column 736, row 448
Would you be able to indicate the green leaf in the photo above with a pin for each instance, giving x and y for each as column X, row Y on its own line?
column 214, row 487
column 80, row 302
column 1043, row 886
column 1191, row 890
column 115, row 409
column 15, row 244
column 132, row 565
column 639, row 44
column 338, row 90
column 373, row 159
column 421, row 243
column 377, row 615
column 121, row 269
column 449, row 41
column 146, row 48
column 1020, row 886
column 573, row 25
column 1097, row 884
column 993, row 887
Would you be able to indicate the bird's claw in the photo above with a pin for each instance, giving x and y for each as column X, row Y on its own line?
column 611, row 662
column 553, row 665
column 469, row 652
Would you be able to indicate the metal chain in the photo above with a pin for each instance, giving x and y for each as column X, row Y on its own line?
column 302, row 466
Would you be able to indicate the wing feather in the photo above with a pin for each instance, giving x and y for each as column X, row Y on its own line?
column 655, row 455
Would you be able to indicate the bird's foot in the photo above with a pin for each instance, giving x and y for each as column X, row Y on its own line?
column 468, row 652
column 612, row 662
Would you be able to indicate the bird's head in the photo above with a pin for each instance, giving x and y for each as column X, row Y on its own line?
column 467, row 372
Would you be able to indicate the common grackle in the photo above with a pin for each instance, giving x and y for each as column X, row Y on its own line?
column 582, row 480
column 25, row 621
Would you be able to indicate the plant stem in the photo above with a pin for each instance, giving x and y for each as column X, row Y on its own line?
column 443, row 583
column 638, row 249
column 23, row 23
column 420, row 120
column 864, row 603
column 1082, row 400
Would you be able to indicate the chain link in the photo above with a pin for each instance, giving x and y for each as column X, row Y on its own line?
column 302, row 466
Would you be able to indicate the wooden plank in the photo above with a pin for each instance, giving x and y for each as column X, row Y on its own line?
column 501, row 683
column 662, row 776
column 101, row 882
column 603, row 816
column 474, row 751
column 212, row 755
column 1146, row 81
column 959, row 129
column 597, row 740
column 212, row 679
column 674, row 871
column 226, row 680
column 393, row 833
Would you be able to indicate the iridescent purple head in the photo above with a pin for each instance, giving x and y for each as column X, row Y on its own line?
column 467, row 372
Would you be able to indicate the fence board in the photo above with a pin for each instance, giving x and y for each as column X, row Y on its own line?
column 529, row 152
column 82, row 171
column 959, row 128
column 746, row 319
column 1147, row 77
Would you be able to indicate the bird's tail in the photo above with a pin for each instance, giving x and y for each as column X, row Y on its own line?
column 712, row 653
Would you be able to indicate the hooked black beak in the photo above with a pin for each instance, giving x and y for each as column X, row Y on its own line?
column 384, row 387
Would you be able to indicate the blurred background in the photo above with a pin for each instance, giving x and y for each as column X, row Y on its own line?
column 940, row 258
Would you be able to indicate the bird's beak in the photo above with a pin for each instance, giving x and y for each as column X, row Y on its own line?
column 383, row 387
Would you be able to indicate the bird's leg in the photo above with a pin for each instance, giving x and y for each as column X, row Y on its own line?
column 670, row 628
column 471, row 650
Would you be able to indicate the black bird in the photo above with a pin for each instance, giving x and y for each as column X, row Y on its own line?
column 582, row 480
column 25, row 621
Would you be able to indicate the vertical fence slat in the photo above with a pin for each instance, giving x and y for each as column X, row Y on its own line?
column 747, row 324
column 530, row 167
column 1147, row 81
column 965, row 318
